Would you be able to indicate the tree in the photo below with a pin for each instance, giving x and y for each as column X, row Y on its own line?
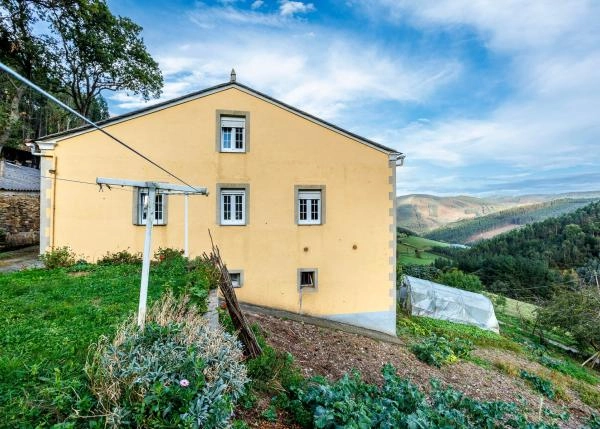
column 575, row 312
column 75, row 49
column 25, row 52
column 95, row 51
column 458, row 279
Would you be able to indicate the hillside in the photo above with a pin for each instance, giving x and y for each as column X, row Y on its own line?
column 530, row 261
column 413, row 250
column 423, row 213
column 484, row 227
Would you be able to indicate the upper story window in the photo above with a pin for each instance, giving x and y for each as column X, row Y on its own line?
column 309, row 207
column 233, row 134
column 160, row 208
column 233, row 206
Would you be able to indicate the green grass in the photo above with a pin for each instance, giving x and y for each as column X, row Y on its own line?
column 407, row 246
column 515, row 308
column 424, row 326
column 48, row 319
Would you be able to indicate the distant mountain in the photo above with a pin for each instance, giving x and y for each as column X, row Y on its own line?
column 472, row 230
column 423, row 213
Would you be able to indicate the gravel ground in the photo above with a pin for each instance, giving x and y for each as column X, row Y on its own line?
column 331, row 353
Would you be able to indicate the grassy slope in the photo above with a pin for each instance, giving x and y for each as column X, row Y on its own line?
column 470, row 230
column 407, row 246
column 48, row 319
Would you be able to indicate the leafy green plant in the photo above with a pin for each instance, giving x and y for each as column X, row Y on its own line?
column 273, row 371
column 350, row 402
column 439, row 351
column 543, row 386
column 593, row 422
column 270, row 414
column 59, row 257
column 176, row 372
column 120, row 257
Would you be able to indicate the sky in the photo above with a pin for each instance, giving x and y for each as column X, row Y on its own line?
column 484, row 97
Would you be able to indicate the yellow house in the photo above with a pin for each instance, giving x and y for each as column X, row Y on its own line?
column 303, row 211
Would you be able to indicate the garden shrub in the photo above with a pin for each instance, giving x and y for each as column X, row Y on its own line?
column 120, row 257
column 543, row 386
column 58, row 257
column 439, row 351
column 175, row 373
column 352, row 403
column 191, row 278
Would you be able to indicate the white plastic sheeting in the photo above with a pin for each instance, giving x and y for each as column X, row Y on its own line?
column 425, row 298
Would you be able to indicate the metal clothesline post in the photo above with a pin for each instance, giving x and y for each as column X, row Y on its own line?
column 152, row 187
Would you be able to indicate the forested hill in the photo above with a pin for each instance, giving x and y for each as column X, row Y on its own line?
column 472, row 230
column 528, row 261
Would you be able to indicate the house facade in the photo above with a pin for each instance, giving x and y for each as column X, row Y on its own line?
column 303, row 211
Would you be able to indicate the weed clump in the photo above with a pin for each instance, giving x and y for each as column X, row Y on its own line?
column 439, row 351
column 58, row 257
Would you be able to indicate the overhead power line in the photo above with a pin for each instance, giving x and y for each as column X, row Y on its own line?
column 93, row 124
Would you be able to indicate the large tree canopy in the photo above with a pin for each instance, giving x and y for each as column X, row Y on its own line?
column 95, row 51
column 76, row 49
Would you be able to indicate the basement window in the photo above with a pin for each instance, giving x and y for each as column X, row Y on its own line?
column 236, row 278
column 307, row 278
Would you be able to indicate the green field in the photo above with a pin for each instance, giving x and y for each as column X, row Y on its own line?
column 48, row 319
column 422, row 256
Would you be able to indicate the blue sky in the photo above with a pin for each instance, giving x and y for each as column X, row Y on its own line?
column 485, row 97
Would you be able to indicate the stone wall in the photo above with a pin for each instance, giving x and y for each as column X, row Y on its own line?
column 19, row 218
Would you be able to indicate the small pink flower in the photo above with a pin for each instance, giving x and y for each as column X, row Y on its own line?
column 184, row 383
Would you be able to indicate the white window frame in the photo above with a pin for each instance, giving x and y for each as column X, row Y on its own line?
column 233, row 194
column 160, row 212
column 311, row 196
column 238, row 126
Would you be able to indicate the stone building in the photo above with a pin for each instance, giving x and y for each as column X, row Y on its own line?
column 19, row 205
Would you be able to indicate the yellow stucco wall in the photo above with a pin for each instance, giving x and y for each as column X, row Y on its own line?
column 285, row 150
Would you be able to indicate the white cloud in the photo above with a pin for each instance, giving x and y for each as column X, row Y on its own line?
column 257, row 4
column 322, row 78
column 291, row 8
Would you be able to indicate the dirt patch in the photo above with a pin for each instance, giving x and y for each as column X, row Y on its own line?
column 330, row 353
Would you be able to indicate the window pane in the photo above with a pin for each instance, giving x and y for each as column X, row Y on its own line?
column 302, row 209
column 226, row 139
column 227, row 207
column 158, row 212
column 144, row 205
column 238, row 207
column 239, row 138
column 314, row 209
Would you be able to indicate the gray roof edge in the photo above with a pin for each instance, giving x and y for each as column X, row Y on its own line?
column 192, row 96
